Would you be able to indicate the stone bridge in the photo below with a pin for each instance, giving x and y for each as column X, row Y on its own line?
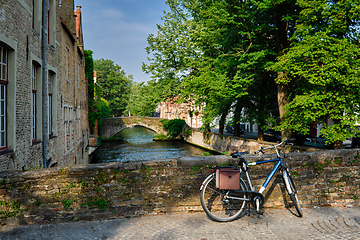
column 111, row 126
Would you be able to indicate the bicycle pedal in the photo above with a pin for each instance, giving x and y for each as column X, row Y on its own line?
column 260, row 212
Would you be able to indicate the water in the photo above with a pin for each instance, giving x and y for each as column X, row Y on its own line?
column 137, row 145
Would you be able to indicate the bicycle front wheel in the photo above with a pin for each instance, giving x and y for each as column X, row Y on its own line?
column 290, row 187
column 222, row 205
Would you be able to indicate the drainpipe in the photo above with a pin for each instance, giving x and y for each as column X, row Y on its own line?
column 43, row 80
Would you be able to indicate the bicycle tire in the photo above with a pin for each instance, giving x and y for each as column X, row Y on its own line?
column 290, row 187
column 212, row 202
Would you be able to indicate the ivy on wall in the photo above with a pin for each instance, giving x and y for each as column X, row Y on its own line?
column 95, row 101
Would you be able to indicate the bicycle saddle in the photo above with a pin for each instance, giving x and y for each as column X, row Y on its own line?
column 238, row 154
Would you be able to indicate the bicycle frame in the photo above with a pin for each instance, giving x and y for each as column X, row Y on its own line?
column 278, row 165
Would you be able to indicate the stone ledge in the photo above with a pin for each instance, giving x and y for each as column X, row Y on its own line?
column 168, row 186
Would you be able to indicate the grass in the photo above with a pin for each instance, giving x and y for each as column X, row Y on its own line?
column 160, row 137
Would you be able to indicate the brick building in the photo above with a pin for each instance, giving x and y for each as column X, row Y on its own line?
column 33, row 120
column 172, row 110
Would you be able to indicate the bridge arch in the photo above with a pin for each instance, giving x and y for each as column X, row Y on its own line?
column 111, row 126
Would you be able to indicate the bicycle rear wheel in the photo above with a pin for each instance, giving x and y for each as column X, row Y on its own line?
column 222, row 205
column 290, row 187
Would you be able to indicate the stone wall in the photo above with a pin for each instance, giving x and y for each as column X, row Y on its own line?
column 221, row 143
column 103, row 191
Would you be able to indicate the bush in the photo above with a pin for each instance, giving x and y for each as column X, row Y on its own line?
column 174, row 126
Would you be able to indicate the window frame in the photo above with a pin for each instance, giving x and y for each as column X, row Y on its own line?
column 33, row 102
column 50, row 102
column 4, row 82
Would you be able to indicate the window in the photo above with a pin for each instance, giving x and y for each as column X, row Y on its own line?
column 79, row 75
column 78, row 122
column 33, row 103
column 50, row 102
column 68, row 128
column 66, row 125
column 51, row 22
column 67, row 54
column 3, row 97
column 36, row 15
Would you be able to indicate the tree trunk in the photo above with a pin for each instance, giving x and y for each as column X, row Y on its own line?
column 282, row 42
column 223, row 118
column 260, row 134
column 237, row 117
column 338, row 144
column 283, row 100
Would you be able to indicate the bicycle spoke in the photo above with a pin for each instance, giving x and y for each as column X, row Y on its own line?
column 222, row 205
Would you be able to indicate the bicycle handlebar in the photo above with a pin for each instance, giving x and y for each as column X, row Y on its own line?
column 275, row 146
column 238, row 154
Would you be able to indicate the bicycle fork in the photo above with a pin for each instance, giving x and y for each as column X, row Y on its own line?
column 287, row 181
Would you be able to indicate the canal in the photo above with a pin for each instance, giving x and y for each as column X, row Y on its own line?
column 137, row 144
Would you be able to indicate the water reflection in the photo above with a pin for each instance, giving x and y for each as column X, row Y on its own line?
column 137, row 144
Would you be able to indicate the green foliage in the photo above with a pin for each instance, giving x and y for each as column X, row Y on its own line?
column 105, row 108
column 209, row 54
column 174, row 126
column 327, row 85
column 115, row 85
column 160, row 136
column 318, row 167
column 99, row 203
column 195, row 168
column 294, row 173
column 89, row 72
column 3, row 182
column 142, row 100
column 30, row 168
column 67, row 203
column 69, row 186
column 323, row 67
column 206, row 154
column 222, row 56
column 337, row 161
column 13, row 209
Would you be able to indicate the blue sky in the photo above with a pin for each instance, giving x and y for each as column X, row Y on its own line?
column 117, row 30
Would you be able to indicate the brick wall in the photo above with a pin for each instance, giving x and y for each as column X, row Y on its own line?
column 102, row 191
column 23, row 44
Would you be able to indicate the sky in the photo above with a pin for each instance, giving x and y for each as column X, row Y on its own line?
column 118, row 29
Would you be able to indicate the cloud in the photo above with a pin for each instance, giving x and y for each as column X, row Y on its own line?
column 119, row 32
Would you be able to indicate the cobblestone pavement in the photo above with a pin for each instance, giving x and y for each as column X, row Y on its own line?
column 317, row 223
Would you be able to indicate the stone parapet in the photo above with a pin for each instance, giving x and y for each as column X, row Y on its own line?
column 116, row 190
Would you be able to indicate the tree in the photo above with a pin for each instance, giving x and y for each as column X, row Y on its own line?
column 142, row 100
column 170, row 50
column 105, row 109
column 115, row 85
column 324, row 63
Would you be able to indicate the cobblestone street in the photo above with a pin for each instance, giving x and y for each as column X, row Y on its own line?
column 317, row 223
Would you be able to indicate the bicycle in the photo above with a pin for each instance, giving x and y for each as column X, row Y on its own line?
column 225, row 200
